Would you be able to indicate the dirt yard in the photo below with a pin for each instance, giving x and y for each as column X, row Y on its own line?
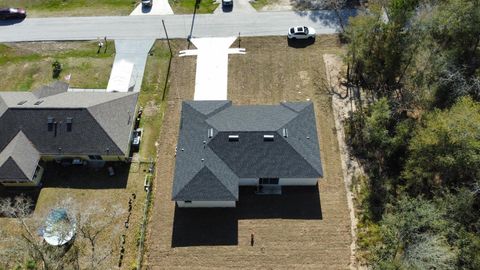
column 304, row 228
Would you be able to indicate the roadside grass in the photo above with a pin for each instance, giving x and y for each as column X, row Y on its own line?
column 42, row 8
column 27, row 66
column 259, row 4
column 188, row 6
column 151, row 98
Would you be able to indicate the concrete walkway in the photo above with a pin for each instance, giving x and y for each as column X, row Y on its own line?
column 133, row 52
column 159, row 7
column 211, row 79
column 239, row 6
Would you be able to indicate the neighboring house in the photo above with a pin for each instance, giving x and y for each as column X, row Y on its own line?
column 222, row 146
column 53, row 124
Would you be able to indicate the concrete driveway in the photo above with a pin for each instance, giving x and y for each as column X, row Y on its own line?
column 159, row 7
column 239, row 6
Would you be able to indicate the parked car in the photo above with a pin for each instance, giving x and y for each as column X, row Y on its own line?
column 66, row 162
column 227, row 3
column 12, row 13
column 301, row 32
column 147, row 3
column 136, row 139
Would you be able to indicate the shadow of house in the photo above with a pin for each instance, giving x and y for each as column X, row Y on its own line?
column 204, row 227
column 31, row 193
column 219, row 226
column 294, row 203
column 57, row 176
column 83, row 177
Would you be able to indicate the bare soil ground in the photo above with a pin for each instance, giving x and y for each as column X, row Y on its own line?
column 305, row 228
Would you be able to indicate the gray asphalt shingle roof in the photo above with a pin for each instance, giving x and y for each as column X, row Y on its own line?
column 202, row 163
column 101, row 122
column 19, row 159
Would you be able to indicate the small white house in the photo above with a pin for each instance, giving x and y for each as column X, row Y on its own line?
column 222, row 146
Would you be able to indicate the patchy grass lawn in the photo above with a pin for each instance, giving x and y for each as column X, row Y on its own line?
column 44, row 8
column 188, row 6
column 307, row 228
column 27, row 66
column 152, row 98
column 259, row 4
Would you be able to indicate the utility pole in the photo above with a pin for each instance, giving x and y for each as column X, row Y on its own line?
column 168, row 40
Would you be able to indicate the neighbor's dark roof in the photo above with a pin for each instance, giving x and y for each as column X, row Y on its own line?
column 101, row 122
column 19, row 159
column 210, row 168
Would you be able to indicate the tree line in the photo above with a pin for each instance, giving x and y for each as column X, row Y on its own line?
column 414, row 74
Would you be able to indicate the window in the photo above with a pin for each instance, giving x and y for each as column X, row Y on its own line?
column 69, row 124
column 38, row 102
column 95, row 157
column 37, row 170
column 268, row 181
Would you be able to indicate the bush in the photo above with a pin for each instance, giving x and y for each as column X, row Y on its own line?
column 57, row 69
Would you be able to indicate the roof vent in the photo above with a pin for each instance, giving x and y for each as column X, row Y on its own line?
column 233, row 138
column 38, row 102
column 22, row 102
column 210, row 132
column 285, row 132
column 268, row 138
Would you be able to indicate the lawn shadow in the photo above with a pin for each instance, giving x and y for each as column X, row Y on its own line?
column 300, row 43
column 219, row 226
column 84, row 177
column 204, row 227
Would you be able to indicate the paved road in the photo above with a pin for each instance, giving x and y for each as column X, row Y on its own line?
column 178, row 26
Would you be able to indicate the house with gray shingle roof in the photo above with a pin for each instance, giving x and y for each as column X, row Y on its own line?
column 52, row 123
column 222, row 146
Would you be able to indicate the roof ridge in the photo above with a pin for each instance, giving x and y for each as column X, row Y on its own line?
column 204, row 167
column 293, row 147
column 113, row 99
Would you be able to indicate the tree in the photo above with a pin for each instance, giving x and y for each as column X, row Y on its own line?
column 445, row 149
column 94, row 246
column 409, row 228
column 98, row 228
column 381, row 49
